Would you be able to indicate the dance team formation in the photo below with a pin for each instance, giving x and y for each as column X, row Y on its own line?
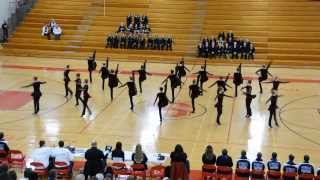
column 174, row 80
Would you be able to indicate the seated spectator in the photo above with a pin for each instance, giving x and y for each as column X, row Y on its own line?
column 43, row 155
column 52, row 23
column 12, row 175
column 224, row 159
column 122, row 28
column 208, row 157
column 306, row 167
column 244, row 164
column 290, row 166
column 57, row 31
column 3, row 146
column 139, row 157
column 252, row 51
column 180, row 166
column 4, row 171
column 95, row 162
column 46, row 31
column 274, row 164
column 62, row 154
column 118, row 154
column 258, row 165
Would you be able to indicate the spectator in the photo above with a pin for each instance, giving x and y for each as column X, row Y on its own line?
column 5, row 32
column 42, row 155
column 208, row 156
column 252, row 51
column 306, row 167
column 95, row 161
column 290, row 166
column 12, row 175
column 274, row 164
column 46, row 31
column 224, row 159
column 57, row 31
column 117, row 153
column 258, row 165
column 4, row 172
column 122, row 28
column 244, row 164
column 62, row 154
column 139, row 157
column 179, row 164
column 3, row 146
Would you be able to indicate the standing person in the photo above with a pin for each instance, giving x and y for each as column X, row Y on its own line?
column 273, row 107
column 36, row 94
column 221, row 83
column 5, row 32
column 113, row 80
column 78, row 88
column 194, row 92
column 86, row 97
column 203, row 75
column 249, row 98
column 275, row 83
column 174, row 82
column 66, row 80
column 219, row 103
column 237, row 79
column 92, row 65
column 131, row 88
column 142, row 74
column 263, row 74
column 181, row 70
column 248, row 87
column 104, row 72
column 95, row 161
column 163, row 99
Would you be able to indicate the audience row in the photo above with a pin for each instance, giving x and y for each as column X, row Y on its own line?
column 52, row 28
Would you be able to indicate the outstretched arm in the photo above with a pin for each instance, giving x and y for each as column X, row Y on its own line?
column 268, row 100
column 29, row 85
column 186, row 68
column 43, row 82
column 155, row 100
column 228, row 85
column 122, row 85
column 284, row 82
column 227, row 78
column 165, row 80
column 213, row 84
column 227, row 96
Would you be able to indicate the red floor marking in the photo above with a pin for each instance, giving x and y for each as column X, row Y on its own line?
column 14, row 66
column 12, row 100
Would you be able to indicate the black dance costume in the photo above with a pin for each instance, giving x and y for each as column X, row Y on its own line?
column 163, row 100
column 249, row 98
column 221, row 84
column 132, row 90
column 263, row 75
column 85, row 99
column 273, row 109
column 78, row 90
column 104, row 73
column 219, row 105
column 113, row 81
column 203, row 76
column 174, row 82
column 237, row 79
column 142, row 75
column 36, row 94
column 92, row 65
column 66, row 80
column 194, row 92
column 180, row 70
column 276, row 83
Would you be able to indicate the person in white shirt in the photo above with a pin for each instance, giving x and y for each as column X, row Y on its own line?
column 46, row 31
column 57, row 31
column 42, row 154
column 62, row 154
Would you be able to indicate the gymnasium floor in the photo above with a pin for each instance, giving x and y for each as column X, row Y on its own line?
column 59, row 118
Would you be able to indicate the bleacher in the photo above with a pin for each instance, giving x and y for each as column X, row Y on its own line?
column 285, row 31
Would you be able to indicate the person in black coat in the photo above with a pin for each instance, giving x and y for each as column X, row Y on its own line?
column 163, row 99
column 224, row 159
column 113, row 80
column 92, row 65
column 221, row 83
column 66, row 80
column 142, row 74
column 86, row 97
column 263, row 74
column 208, row 156
column 276, row 82
column 78, row 88
column 203, row 75
column 174, row 82
column 104, row 72
column 132, row 89
column 273, row 107
column 36, row 94
column 237, row 79
column 118, row 152
column 194, row 92
column 219, row 103
column 95, row 161
column 5, row 32
column 249, row 98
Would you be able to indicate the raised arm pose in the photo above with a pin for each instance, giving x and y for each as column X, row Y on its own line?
column 221, row 83
column 237, row 79
column 162, row 99
column 142, row 74
column 203, row 75
column 132, row 89
column 249, row 98
column 263, row 74
column 219, row 103
column 36, row 94
column 181, row 70
column 104, row 71
column 113, row 80
column 194, row 92
column 174, row 82
column 276, row 82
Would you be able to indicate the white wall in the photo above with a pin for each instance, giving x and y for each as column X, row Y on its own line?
column 4, row 10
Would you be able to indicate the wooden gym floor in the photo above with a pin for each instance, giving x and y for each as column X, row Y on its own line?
column 59, row 118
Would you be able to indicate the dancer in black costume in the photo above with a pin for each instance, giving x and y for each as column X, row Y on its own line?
column 221, row 83
column 163, row 100
column 203, row 75
column 237, row 79
column 142, row 74
column 132, row 89
column 219, row 103
column 86, row 97
column 36, row 94
column 263, row 74
column 276, row 82
column 104, row 72
column 273, row 107
column 248, row 87
column 66, row 80
column 181, row 70
column 113, row 80
column 174, row 82
column 92, row 64
column 78, row 88
column 194, row 92
column 249, row 98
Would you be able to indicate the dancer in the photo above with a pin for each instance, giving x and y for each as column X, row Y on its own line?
column 273, row 107
column 221, row 83
column 249, row 98
column 36, row 94
column 203, row 75
column 104, row 72
column 92, row 65
column 174, row 82
column 113, row 80
column 162, row 98
column 66, row 80
column 142, row 74
column 263, row 74
column 219, row 103
column 78, row 88
column 276, row 82
column 131, row 88
column 86, row 97
column 194, row 92
column 248, row 87
column 181, row 70
column 237, row 79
